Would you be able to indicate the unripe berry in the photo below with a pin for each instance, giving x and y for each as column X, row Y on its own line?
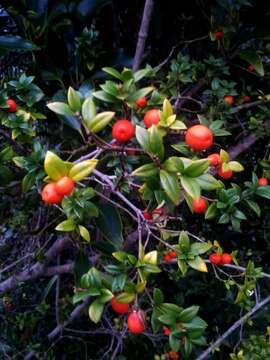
column 50, row 195
column 226, row 258
column 262, row 181
column 136, row 322
column 64, row 186
column 229, row 99
column 123, row 130
column 215, row 258
column 141, row 102
column 12, row 106
column 119, row 308
column 214, row 159
column 199, row 137
column 152, row 117
column 199, row 206
column 225, row 174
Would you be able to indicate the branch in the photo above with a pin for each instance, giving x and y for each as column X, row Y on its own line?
column 143, row 33
column 238, row 323
column 74, row 314
column 36, row 270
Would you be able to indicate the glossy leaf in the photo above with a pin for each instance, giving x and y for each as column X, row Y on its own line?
column 100, row 121
column 95, row 311
column 74, row 99
column 55, row 167
column 191, row 186
column 60, row 108
column 67, row 225
column 198, row 264
column 170, row 185
column 84, row 168
column 88, row 110
column 84, row 233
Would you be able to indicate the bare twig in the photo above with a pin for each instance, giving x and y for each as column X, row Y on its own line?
column 143, row 33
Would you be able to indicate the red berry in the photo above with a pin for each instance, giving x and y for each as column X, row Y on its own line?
column 141, row 102
column 215, row 258
column 225, row 174
column 158, row 211
column 219, row 35
column 166, row 330
column 136, row 322
column 214, row 159
column 172, row 254
column 123, row 130
column 199, row 137
column 172, row 355
column 262, row 181
column 147, row 215
column 250, row 68
column 246, row 99
column 152, row 117
column 229, row 99
column 64, row 186
column 12, row 106
column 226, row 258
column 199, row 206
column 50, row 195
column 167, row 258
column 119, row 308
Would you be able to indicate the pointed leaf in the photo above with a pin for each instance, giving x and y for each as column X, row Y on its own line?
column 95, row 311
column 100, row 121
column 191, row 187
column 84, row 233
column 88, row 110
column 171, row 186
column 82, row 169
column 198, row 264
column 74, row 99
column 67, row 225
column 55, row 167
column 60, row 108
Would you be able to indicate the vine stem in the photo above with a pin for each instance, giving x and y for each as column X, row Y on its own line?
column 143, row 33
column 219, row 341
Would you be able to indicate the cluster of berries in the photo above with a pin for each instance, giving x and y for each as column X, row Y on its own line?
column 149, row 215
column 54, row 192
column 220, row 259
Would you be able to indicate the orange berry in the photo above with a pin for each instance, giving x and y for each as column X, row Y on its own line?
column 119, row 308
column 199, row 206
column 12, row 106
column 199, row 137
column 214, row 159
column 152, row 117
column 225, row 174
column 226, row 258
column 262, row 181
column 123, row 130
column 141, row 102
column 229, row 99
column 136, row 322
column 215, row 258
column 50, row 195
column 64, row 186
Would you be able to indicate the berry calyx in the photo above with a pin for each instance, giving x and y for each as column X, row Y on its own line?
column 229, row 99
column 250, row 68
column 246, row 99
column 262, row 181
column 136, row 322
column 152, row 117
column 225, row 174
column 12, row 106
column 199, row 206
column 199, row 137
column 215, row 259
column 166, row 330
column 123, row 130
column 147, row 215
column 119, row 308
column 50, row 195
column 226, row 258
column 64, row 186
column 141, row 102
column 219, row 35
column 214, row 159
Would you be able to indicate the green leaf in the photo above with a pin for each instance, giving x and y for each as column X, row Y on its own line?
column 74, row 99
column 155, row 143
column 188, row 314
column 110, row 224
column 158, row 296
column 235, row 166
column 200, row 248
column 105, row 296
column 198, row 264
column 82, row 169
column 140, row 74
column 95, row 311
column 111, row 88
column 88, row 110
column 170, row 185
column 11, row 43
column 55, row 167
column 224, row 219
column 178, row 125
column 100, row 121
column 208, row 182
column 167, row 109
column 196, row 168
column 254, row 59
column 184, row 242
column 103, row 96
column 60, row 108
column 263, row 191
column 191, row 186
column 174, row 343
column 66, row 225
column 140, row 93
column 224, row 156
column 28, row 181
column 143, row 137
column 146, row 171
column 84, row 233
column 174, row 164
column 211, row 212
column 125, row 297
column 113, row 72
column 254, row 206
column 167, row 319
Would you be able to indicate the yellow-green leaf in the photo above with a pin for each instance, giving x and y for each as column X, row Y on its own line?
column 74, row 99
column 145, row 171
column 84, row 233
column 55, row 167
column 95, row 311
column 235, row 166
column 100, row 121
column 60, row 108
column 151, row 257
column 224, row 156
column 88, row 110
column 66, row 225
column 79, row 171
column 167, row 109
column 125, row 297
column 198, row 264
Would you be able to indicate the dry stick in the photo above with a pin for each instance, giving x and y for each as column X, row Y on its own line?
column 36, row 270
column 238, row 323
column 147, row 14
column 74, row 314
